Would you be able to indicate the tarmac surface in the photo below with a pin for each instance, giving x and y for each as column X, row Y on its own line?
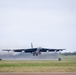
column 42, row 73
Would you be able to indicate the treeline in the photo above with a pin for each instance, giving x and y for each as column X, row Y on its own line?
column 69, row 53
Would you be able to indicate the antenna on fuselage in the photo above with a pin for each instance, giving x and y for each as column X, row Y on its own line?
column 31, row 45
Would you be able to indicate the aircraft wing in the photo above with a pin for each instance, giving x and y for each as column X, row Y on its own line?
column 18, row 50
column 30, row 50
column 25, row 50
column 44, row 49
column 52, row 50
column 6, row 50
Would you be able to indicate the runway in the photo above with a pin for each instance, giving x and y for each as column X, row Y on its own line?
column 39, row 73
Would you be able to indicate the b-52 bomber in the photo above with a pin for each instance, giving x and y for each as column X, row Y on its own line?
column 34, row 51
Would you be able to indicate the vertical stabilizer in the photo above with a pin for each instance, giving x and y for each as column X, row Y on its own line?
column 31, row 45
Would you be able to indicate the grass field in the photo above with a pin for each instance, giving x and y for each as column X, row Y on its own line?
column 68, row 64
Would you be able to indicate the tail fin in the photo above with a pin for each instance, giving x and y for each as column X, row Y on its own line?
column 31, row 45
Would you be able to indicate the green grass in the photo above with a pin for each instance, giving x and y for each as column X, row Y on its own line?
column 68, row 64
column 69, row 58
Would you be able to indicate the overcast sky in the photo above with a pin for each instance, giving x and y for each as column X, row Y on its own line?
column 45, row 23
